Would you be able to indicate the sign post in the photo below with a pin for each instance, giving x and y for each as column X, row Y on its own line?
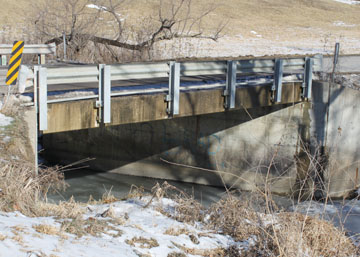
column 14, row 63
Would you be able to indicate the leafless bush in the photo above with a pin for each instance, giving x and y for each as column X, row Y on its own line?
column 102, row 23
column 233, row 217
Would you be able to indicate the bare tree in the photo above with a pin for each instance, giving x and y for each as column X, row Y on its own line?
column 101, row 22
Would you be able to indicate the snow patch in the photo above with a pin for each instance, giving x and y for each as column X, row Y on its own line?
column 5, row 121
column 21, row 238
column 343, row 24
column 348, row 1
column 97, row 7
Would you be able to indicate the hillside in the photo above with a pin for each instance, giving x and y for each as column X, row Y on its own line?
column 257, row 27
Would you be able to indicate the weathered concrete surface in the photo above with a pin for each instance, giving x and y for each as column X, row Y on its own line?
column 242, row 143
column 79, row 115
column 335, row 127
column 30, row 120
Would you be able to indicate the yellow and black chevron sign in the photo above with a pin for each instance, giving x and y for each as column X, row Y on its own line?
column 14, row 63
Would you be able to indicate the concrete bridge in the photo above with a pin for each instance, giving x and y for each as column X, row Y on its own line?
column 222, row 115
column 240, row 123
column 132, row 93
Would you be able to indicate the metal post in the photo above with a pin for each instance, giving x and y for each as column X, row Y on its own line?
column 277, row 85
column 64, row 42
column 3, row 60
column 42, row 58
column 42, row 87
column 173, row 96
column 230, row 89
column 36, row 150
column 104, row 101
column 336, row 58
column 307, row 84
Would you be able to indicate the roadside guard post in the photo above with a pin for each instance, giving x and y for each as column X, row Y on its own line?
column 14, row 63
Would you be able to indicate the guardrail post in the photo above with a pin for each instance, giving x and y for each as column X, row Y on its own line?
column 307, row 84
column 104, row 101
column 277, row 85
column 230, row 87
column 41, row 59
column 173, row 96
column 42, row 93
column 336, row 58
column 3, row 60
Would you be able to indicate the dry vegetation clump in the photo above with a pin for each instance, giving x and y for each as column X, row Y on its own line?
column 46, row 229
column 279, row 234
column 274, row 233
column 68, row 209
column 22, row 190
column 143, row 242
column 187, row 209
column 90, row 226
column 233, row 217
column 297, row 234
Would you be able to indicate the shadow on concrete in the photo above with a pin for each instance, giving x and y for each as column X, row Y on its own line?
column 136, row 149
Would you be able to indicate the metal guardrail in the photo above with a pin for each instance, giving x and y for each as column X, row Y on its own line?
column 30, row 49
column 104, row 74
column 87, row 74
column 41, row 50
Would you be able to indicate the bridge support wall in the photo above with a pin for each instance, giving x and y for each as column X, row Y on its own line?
column 335, row 119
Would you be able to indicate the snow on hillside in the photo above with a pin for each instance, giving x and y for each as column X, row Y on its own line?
column 348, row 1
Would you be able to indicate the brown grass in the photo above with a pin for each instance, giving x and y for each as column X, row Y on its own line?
column 142, row 242
column 22, row 190
column 46, row 229
column 277, row 233
column 90, row 226
column 2, row 237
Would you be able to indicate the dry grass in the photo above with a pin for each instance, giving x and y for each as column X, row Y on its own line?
column 177, row 231
column 233, row 217
column 299, row 233
column 22, row 191
column 68, row 209
column 2, row 237
column 46, row 229
column 142, row 242
column 276, row 233
column 217, row 252
column 91, row 226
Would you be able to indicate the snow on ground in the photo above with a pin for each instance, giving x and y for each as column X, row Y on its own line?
column 4, row 120
column 97, row 7
column 258, row 46
column 348, row 1
column 343, row 24
column 137, row 231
